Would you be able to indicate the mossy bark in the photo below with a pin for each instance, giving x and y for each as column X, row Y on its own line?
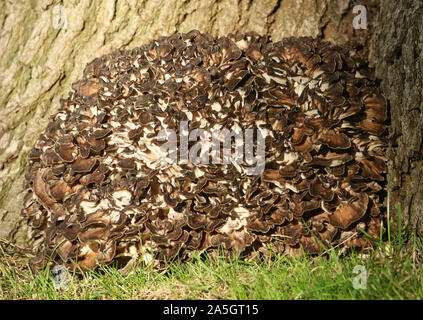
column 40, row 60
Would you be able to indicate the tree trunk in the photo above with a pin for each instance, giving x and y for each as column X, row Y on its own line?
column 45, row 46
column 397, row 46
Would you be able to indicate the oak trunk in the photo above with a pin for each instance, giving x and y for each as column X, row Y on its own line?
column 45, row 45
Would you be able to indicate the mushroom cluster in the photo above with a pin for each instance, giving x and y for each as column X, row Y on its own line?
column 99, row 192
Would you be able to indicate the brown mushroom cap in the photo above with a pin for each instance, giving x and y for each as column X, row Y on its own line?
column 347, row 213
column 97, row 184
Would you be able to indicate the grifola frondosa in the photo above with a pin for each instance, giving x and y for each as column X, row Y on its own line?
column 98, row 191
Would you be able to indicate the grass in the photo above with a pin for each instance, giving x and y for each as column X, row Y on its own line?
column 392, row 271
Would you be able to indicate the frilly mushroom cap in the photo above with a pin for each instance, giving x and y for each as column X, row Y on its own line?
column 98, row 191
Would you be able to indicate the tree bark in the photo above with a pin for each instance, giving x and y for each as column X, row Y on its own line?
column 396, row 49
column 41, row 59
